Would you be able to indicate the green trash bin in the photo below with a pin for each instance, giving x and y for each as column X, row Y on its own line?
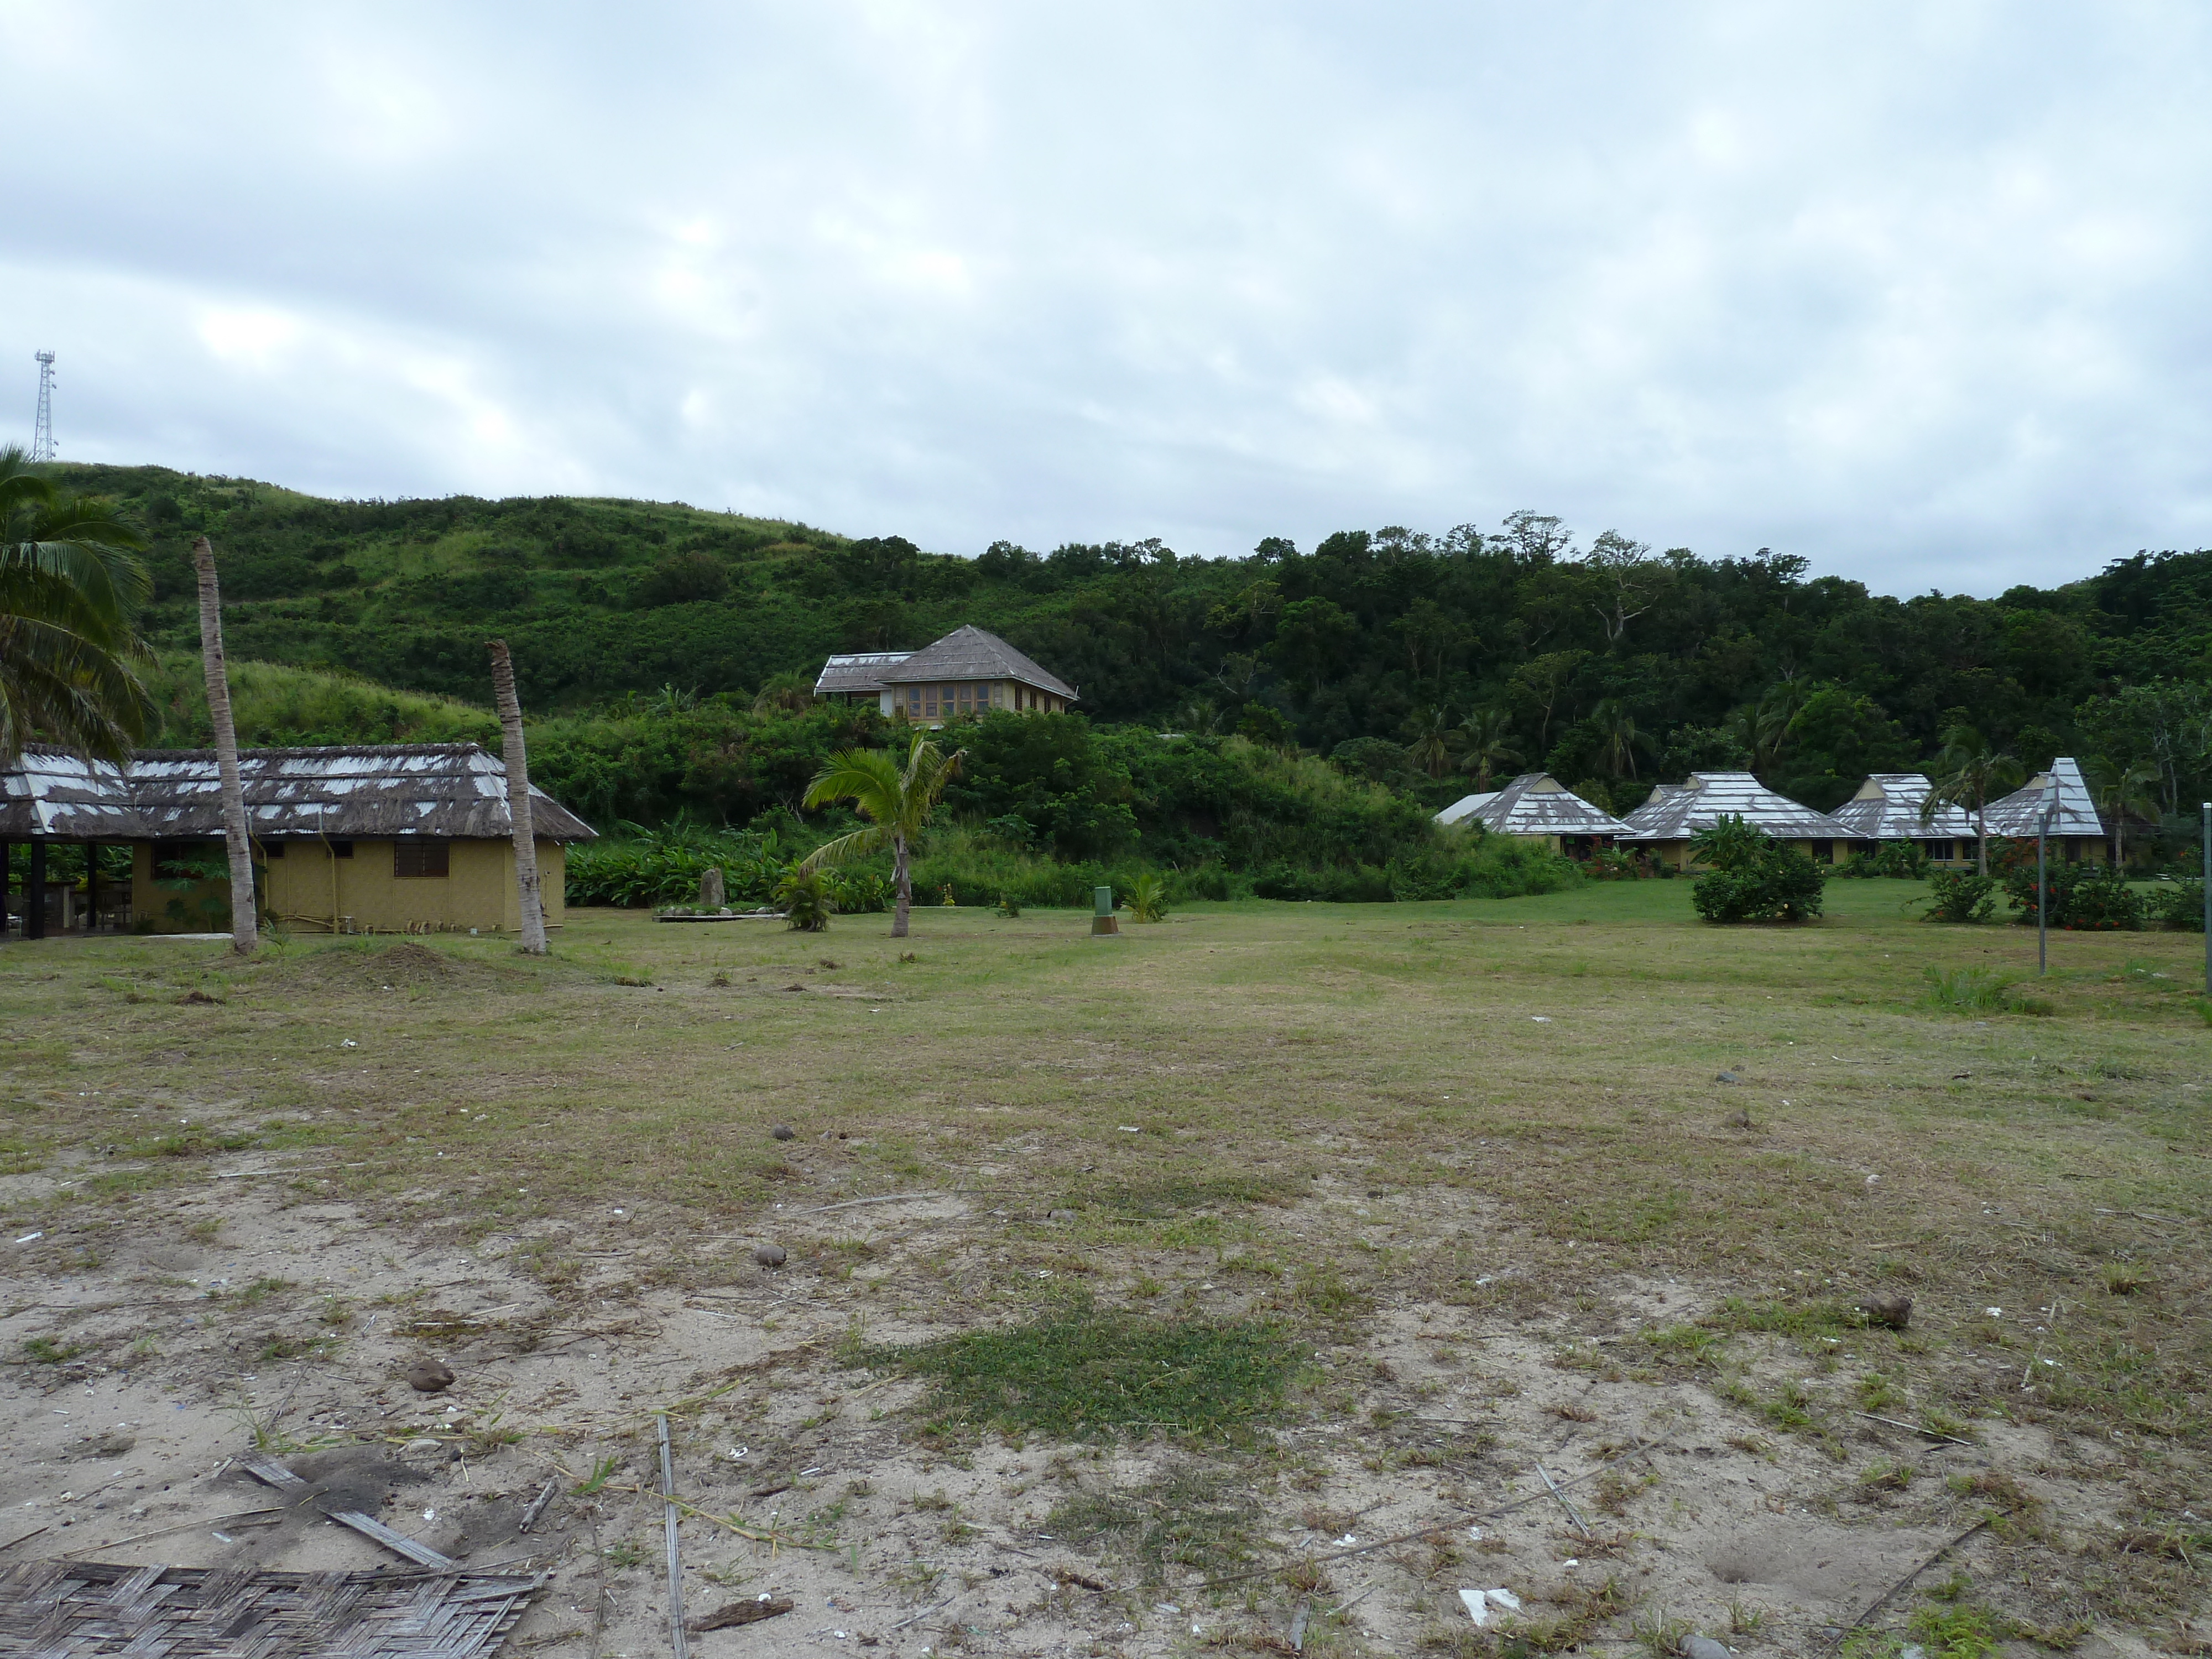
column 1103, row 919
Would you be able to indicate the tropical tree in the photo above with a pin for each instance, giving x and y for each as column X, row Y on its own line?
column 1767, row 726
column 1968, row 771
column 1488, row 731
column 1430, row 750
column 1617, row 737
column 2130, row 788
column 895, row 799
column 71, row 586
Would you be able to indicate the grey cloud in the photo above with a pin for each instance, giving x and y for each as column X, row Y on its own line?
column 1912, row 291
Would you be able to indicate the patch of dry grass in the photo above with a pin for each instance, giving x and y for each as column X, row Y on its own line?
column 1506, row 1108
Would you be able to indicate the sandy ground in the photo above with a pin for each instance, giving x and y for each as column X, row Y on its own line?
column 1669, row 1491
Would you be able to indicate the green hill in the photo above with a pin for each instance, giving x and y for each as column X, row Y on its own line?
column 1613, row 665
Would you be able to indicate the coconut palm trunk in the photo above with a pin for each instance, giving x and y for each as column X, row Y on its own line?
column 902, row 902
column 530, row 901
column 244, row 932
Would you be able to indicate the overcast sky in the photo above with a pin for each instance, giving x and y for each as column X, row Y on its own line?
column 1919, row 292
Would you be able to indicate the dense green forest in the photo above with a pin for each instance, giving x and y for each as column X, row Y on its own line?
column 662, row 651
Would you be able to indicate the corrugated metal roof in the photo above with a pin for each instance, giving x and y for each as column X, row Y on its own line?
column 1465, row 808
column 860, row 671
column 2018, row 813
column 449, row 790
column 1533, row 804
column 1677, row 811
column 969, row 653
column 1888, row 808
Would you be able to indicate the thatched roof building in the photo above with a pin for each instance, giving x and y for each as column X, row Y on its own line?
column 398, row 837
column 1536, row 806
column 452, row 790
column 2075, row 824
column 969, row 672
column 1676, row 811
column 1888, row 808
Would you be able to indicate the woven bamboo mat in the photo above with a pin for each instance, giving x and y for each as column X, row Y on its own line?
column 87, row 1607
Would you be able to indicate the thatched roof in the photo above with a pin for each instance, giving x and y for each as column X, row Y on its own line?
column 2076, row 814
column 1678, row 811
column 969, row 653
column 448, row 790
column 860, row 671
column 1533, row 804
column 1888, row 808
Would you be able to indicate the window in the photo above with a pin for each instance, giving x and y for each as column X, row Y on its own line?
column 271, row 849
column 1823, row 852
column 419, row 858
column 929, row 702
column 340, row 849
column 967, row 698
column 1939, row 850
column 914, row 702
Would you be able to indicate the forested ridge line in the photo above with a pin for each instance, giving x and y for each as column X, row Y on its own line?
column 1602, row 661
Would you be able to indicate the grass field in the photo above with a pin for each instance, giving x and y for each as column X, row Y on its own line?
column 1385, row 1136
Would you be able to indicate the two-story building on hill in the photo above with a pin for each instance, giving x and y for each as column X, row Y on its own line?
column 969, row 672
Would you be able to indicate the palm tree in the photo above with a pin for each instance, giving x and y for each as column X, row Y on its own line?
column 1618, row 738
column 2130, row 789
column 1429, row 750
column 245, row 934
column 530, row 904
column 1968, row 771
column 1487, row 730
column 897, row 799
column 70, row 585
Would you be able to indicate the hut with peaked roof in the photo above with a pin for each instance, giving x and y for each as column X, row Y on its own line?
column 969, row 672
column 1663, row 825
column 1535, row 806
column 386, row 838
column 1887, row 807
column 2077, row 832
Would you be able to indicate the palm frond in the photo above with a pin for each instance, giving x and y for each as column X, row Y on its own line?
column 859, row 842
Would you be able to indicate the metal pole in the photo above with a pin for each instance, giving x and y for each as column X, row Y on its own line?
column 675, row 1562
column 2043, row 890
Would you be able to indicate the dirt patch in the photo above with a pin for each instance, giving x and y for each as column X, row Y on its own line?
column 402, row 966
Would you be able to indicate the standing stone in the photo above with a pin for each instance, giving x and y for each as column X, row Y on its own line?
column 710, row 889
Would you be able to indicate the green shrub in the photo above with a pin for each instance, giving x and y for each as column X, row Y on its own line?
column 1778, row 884
column 806, row 900
column 2180, row 904
column 1960, row 896
column 2101, row 901
column 1148, row 898
column 1903, row 860
column 1730, row 842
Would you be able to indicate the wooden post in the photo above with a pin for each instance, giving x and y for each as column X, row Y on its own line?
column 244, row 932
column 529, row 900
column 92, row 886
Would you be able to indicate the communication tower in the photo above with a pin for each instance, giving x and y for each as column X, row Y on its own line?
column 42, row 432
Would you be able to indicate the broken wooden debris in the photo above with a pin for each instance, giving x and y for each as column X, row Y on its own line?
column 267, row 1470
column 537, row 1506
column 743, row 1612
column 61, row 1606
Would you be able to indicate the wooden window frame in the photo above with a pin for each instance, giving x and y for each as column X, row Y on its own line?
column 433, row 852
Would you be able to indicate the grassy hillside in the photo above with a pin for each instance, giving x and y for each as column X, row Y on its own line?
column 1609, row 665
